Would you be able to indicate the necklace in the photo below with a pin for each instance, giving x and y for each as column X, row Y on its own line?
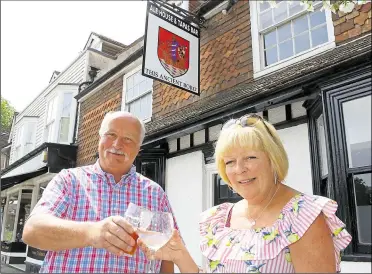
column 253, row 221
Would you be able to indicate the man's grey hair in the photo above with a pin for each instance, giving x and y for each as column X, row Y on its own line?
column 109, row 116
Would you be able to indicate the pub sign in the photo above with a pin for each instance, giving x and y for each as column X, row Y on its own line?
column 171, row 49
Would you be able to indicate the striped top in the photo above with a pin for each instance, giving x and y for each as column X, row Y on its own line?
column 90, row 194
column 266, row 250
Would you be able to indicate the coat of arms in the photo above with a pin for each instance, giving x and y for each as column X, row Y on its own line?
column 173, row 52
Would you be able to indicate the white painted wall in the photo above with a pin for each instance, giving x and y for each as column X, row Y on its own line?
column 184, row 187
column 296, row 143
column 353, row 267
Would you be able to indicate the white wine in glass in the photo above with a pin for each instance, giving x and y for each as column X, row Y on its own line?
column 139, row 218
column 158, row 234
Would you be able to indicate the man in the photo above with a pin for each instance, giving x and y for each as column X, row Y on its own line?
column 79, row 218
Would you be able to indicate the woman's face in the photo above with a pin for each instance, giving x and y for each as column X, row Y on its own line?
column 249, row 173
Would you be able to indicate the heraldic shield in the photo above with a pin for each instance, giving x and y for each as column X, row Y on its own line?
column 173, row 53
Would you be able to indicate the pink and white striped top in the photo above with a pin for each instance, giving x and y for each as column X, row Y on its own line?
column 265, row 250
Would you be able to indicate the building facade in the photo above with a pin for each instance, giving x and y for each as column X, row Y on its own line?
column 42, row 143
column 307, row 73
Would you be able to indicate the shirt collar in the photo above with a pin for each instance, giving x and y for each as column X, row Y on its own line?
column 131, row 173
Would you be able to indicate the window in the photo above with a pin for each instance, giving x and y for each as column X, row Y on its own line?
column 64, row 124
column 29, row 138
column 51, row 116
column 222, row 192
column 346, row 100
column 18, row 144
column 138, row 95
column 358, row 143
column 280, row 34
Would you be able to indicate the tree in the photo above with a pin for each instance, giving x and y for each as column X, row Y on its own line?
column 345, row 6
column 7, row 112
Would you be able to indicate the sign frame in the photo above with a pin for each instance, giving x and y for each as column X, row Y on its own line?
column 167, row 10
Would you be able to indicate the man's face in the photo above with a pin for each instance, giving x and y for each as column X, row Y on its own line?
column 119, row 145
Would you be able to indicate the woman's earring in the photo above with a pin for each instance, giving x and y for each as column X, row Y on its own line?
column 275, row 178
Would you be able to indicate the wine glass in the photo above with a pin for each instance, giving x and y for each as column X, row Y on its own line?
column 157, row 234
column 139, row 218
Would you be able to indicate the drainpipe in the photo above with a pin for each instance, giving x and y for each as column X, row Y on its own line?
column 92, row 74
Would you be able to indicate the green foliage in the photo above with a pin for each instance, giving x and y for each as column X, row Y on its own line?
column 345, row 6
column 7, row 112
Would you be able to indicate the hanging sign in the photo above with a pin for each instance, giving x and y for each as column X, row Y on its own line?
column 171, row 49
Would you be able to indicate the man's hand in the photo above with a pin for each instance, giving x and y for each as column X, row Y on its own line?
column 112, row 234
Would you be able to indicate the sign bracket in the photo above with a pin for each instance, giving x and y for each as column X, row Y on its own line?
column 187, row 15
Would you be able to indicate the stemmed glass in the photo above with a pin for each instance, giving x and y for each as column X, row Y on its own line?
column 139, row 218
column 157, row 234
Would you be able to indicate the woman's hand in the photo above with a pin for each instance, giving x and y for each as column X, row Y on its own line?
column 173, row 250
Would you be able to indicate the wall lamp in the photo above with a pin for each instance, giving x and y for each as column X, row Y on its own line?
column 230, row 4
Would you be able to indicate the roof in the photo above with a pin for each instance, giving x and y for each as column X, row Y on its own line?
column 105, row 38
column 306, row 70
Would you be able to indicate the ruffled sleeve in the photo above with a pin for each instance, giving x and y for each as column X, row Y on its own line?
column 211, row 224
column 300, row 214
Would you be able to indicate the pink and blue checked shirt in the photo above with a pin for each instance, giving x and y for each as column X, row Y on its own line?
column 89, row 194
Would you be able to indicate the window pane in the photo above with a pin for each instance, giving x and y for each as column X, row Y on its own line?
column 284, row 32
column 49, row 132
column 129, row 83
column 280, row 12
column 317, row 18
column 10, row 220
column 357, row 119
column 271, row 56
column 264, row 6
column 224, row 189
column 270, row 39
column 148, row 169
column 322, row 145
column 136, row 79
column 64, row 129
column 319, row 36
column 300, row 25
column 143, row 87
column 135, row 91
column 66, row 108
column 363, row 198
column 302, row 42
column 266, row 19
column 149, row 83
column 129, row 94
column 285, row 49
column 24, row 211
column 295, row 7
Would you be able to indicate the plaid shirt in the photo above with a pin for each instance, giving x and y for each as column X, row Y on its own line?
column 89, row 194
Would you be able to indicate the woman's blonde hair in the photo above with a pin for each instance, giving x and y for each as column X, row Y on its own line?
column 251, row 133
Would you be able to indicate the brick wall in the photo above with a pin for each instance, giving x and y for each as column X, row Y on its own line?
column 225, row 60
column 92, row 112
column 353, row 24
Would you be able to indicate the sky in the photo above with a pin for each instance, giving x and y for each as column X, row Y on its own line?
column 39, row 37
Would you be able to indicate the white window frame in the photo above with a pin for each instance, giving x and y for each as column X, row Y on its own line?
column 257, row 45
column 52, row 122
column 18, row 152
column 71, row 117
column 124, row 102
column 59, row 95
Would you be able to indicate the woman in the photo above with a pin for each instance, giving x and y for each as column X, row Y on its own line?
column 274, row 228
